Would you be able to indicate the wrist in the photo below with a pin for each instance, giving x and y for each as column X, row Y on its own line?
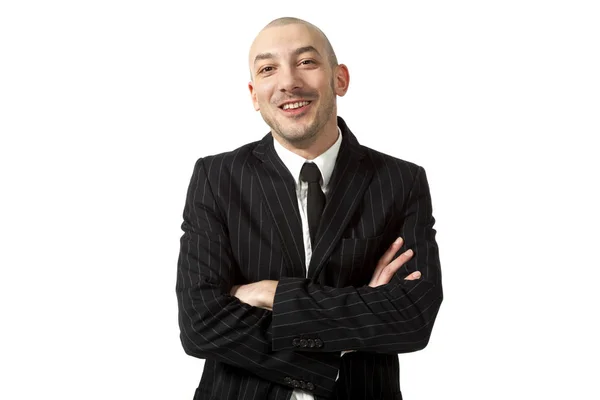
column 268, row 293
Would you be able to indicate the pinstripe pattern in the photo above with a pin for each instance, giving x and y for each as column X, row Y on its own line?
column 242, row 224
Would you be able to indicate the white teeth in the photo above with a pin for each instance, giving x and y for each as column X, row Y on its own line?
column 295, row 105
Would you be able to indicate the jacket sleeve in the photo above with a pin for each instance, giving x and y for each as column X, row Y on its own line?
column 217, row 325
column 397, row 317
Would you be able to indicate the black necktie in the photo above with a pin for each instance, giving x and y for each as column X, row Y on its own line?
column 316, row 198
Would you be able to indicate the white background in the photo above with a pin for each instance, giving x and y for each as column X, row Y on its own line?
column 105, row 107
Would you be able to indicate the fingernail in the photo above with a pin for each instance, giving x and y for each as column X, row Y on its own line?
column 398, row 240
column 408, row 252
column 417, row 274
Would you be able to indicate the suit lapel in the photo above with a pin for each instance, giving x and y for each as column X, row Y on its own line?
column 351, row 176
column 279, row 194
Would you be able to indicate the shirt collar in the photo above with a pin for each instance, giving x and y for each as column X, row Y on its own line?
column 325, row 161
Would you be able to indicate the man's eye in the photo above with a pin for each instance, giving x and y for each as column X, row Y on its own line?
column 265, row 69
column 305, row 62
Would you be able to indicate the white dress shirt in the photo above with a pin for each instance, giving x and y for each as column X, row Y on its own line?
column 294, row 163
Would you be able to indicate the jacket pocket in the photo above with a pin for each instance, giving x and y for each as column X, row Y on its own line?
column 353, row 261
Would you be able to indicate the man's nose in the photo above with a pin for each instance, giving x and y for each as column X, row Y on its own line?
column 289, row 80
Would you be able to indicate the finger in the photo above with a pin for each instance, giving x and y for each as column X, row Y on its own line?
column 391, row 268
column 386, row 258
column 414, row 276
column 401, row 259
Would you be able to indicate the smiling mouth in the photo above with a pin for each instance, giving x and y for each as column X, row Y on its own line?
column 295, row 106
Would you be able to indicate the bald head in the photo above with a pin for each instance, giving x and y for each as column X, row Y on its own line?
column 324, row 46
column 291, row 20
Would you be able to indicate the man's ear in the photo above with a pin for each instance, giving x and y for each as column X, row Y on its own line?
column 253, row 95
column 342, row 79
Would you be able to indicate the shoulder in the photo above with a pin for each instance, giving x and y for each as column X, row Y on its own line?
column 384, row 164
column 222, row 165
column 392, row 166
column 228, row 160
column 395, row 176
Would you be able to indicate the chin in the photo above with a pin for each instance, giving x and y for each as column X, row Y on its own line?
column 295, row 137
column 300, row 139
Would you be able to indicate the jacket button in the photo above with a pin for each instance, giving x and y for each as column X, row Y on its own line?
column 287, row 380
column 303, row 343
column 296, row 342
column 310, row 386
column 318, row 342
column 311, row 343
column 296, row 383
column 302, row 385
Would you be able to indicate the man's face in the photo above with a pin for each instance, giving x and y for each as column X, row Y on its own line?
column 293, row 83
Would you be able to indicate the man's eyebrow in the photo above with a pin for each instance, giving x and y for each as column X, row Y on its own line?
column 305, row 49
column 263, row 56
column 297, row 52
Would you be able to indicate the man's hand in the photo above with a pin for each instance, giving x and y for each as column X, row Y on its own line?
column 257, row 294
column 386, row 269
column 262, row 293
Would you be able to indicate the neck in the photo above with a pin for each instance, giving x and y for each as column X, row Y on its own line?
column 316, row 146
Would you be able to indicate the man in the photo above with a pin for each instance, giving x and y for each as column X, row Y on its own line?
column 287, row 283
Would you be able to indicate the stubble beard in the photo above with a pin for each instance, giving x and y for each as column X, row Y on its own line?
column 303, row 137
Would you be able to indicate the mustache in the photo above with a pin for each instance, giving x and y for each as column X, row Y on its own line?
column 299, row 95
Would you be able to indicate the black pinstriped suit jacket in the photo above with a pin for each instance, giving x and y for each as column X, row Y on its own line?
column 242, row 224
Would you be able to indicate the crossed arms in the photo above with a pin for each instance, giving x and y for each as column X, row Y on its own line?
column 252, row 326
column 262, row 293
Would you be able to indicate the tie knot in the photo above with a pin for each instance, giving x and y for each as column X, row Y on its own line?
column 310, row 173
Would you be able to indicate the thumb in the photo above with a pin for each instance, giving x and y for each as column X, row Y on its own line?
column 414, row 276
